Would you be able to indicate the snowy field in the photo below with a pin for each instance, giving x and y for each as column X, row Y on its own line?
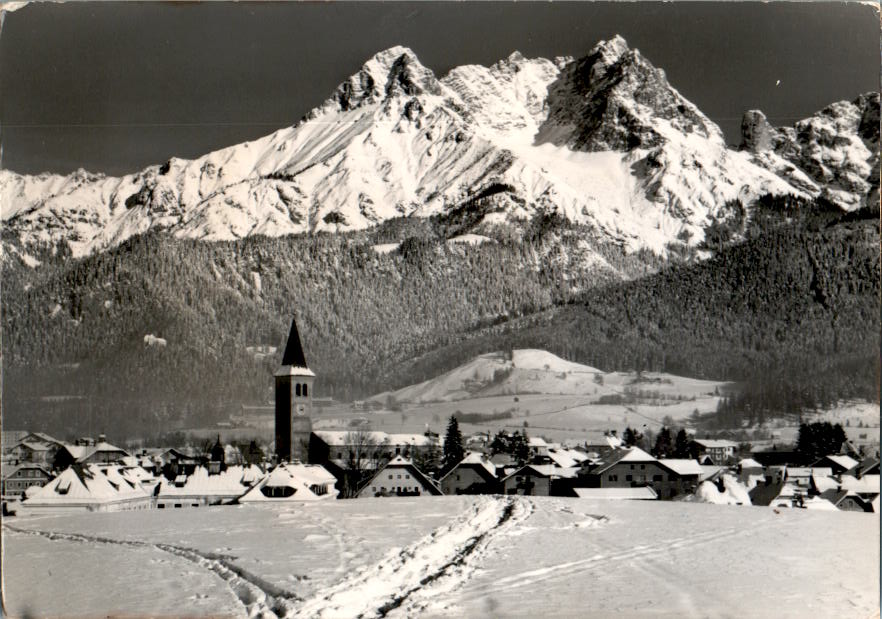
column 446, row 556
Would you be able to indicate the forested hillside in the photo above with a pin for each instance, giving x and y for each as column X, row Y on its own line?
column 74, row 330
column 792, row 313
column 789, row 305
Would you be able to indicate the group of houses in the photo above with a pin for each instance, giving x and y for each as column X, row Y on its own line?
column 836, row 481
column 51, row 475
column 44, row 475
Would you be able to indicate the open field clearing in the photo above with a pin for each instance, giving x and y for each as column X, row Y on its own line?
column 446, row 556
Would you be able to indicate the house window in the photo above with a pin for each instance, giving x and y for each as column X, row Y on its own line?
column 391, row 476
column 632, row 467
column 177, row 504
column 613, row 478
column 305, row 392
column 657, row 478
column 408, row 477
column 160, row 506
column 297, row 390
column 628, row 477
column 457, row 478
column 399, row 477
column 642, row 466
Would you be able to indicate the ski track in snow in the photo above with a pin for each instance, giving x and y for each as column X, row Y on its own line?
column 407, row 579
column 258, row 597
column 403, row 583
column 568, row 569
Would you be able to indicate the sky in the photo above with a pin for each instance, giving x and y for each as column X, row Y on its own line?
column 114, row 87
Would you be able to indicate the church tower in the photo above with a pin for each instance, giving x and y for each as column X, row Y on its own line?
column 293, row 401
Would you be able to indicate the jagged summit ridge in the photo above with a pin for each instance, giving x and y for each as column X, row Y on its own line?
column 603, row 140
column 833, row 153
column 391, row 72
column 613, row 98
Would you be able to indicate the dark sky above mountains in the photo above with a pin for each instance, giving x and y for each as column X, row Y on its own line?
column 113, row 87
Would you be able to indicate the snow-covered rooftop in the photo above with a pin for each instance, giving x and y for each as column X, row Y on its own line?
column 715, row 443
column 865, row 485
column 341, row 438
column 682, row 466
column 306, row 482
column 228, row 483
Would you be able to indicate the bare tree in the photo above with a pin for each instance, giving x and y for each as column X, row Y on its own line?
column 365, row 455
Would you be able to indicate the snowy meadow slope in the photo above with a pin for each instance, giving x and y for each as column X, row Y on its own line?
column 450, row 556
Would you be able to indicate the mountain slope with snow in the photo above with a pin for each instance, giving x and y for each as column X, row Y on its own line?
column 604, row 141
column 538, row 371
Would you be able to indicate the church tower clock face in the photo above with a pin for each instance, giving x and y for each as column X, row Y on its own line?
column 301, row 409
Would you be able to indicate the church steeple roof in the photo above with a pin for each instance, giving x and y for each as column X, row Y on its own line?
column 294, row 356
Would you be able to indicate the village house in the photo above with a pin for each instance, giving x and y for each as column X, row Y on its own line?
column 633, row 467
column 101, row 452
column 87, row 488
column 779, row 457
column 293, row 482
column 801, row 476
column 473, row 475
column 10, row 438
column 399, row 477
column 719, row 450
column 689, row 475
column 562, row 457
column 837, row 464
column 847, row 501
column 765, row 493
column 339, row 446
column 174, row 462
column 537, row 446
column 202, row 488
column 540, row 480
column 33, row 452
column 867, row 466
column 24, row 476
column 750, row 472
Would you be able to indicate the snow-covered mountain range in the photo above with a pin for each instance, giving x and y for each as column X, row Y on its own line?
column 603, row 140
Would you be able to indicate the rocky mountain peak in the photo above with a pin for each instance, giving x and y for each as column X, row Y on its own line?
column 614, row 99
column 868, row 104
column 756, row 133
column 391, row 72
column 603, row 140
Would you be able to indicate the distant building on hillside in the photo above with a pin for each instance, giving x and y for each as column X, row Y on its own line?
column 294, row 382
column 720, row 450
